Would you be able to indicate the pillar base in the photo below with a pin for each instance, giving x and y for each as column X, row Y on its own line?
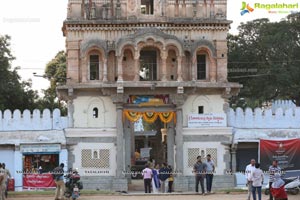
column 120, row 184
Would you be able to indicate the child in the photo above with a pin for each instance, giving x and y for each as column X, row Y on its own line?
column 277, row 189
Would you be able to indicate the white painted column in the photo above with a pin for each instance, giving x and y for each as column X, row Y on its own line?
column 63, row 158
column 18, row 175
column 70, row 113
column 179, row 140
column 120, row 142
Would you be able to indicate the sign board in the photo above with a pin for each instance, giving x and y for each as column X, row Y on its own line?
column 145, row 152
column 38, row 181
column 286, row 152
column 32, row 148
column 207, row 120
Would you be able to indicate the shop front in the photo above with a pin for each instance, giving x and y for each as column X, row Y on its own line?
column 39, row 160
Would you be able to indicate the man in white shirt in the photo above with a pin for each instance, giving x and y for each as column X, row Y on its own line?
column 248, row 172
column 257, row 178
column 210, row 170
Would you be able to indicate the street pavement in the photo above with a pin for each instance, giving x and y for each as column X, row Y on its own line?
column 154, row 197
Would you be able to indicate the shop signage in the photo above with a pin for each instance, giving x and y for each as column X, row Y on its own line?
column 31, row 148
column 38, row 181
column 207, row 120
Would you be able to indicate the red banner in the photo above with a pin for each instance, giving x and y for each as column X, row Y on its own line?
column 285, row 151
column 38, row 181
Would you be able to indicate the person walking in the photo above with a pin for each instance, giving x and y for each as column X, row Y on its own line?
column 147, row 176
column 164, row 174
column 2, row 183
column 209, row 172
column 200, row 171
column 277, row 190
column 248, row 171
column 257, row 178
column 8, row 176
column 58, row 175
column 273, row 169
column 155, row 179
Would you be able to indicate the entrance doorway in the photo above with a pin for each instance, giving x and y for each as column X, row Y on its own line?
column 149, row 143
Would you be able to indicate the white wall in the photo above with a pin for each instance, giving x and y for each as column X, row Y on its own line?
column 203, row 145
column 96, row 171
column 289, row 118
column 37, row 120
column 211, row 103
column 83, row 113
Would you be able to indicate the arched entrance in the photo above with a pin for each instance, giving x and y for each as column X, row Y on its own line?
column 149, row 135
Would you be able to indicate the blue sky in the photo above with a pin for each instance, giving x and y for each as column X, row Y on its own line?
column 35, row 28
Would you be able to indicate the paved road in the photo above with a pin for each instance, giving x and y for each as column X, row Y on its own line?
column 156, row 197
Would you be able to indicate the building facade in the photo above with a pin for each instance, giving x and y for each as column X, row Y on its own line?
column 32, row 141
column 163, row 60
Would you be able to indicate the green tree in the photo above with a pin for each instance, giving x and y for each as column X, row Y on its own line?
column 14, row 93
column 264, row 57
column 55, row 72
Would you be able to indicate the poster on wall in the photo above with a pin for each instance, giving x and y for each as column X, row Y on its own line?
column 285, row 151
column 38, row 181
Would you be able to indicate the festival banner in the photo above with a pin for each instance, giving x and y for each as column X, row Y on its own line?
column 38, row 181
column 285, row 151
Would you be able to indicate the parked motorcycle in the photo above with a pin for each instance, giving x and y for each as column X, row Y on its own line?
column 73, row 185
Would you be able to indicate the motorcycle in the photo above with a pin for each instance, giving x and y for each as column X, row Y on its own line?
column 73, row 185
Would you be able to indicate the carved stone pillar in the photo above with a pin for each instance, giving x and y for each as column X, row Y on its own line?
column 212, row 9
column 179, row 68
column 176, row 8
column 120, row 142
column 118, row 9
column 179, row 139
column 164, row 65
column 170, row 144
column 105, row 70
column 183, row 8
column 137, row 66
column 120, row 69
column 194, row 68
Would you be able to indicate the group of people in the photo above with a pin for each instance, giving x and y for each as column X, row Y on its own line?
column 158, row 179
column 255, row 179
column 4, row 177
column 204, row 170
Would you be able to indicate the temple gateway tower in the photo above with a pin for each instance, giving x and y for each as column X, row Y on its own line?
column 147, row 81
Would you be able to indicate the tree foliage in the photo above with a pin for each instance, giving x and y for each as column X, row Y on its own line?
column 14, row 93
column 55, row 72
column 265, row 57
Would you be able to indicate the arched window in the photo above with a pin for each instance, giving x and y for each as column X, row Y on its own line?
column 201, row 66
column 94, row 67
column 95, row 112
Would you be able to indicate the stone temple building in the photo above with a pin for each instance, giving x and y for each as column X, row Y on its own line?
column 162, row 63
